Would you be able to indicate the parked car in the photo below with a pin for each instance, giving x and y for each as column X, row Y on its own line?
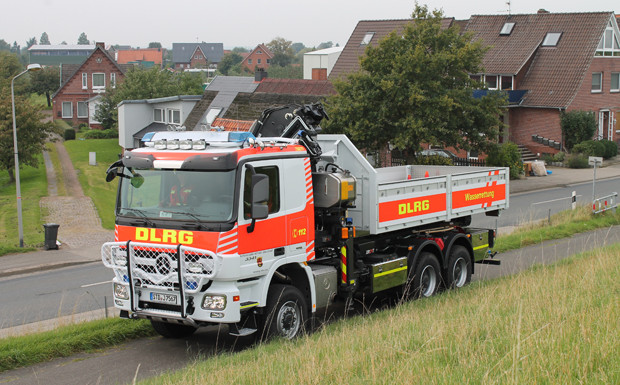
column 439, row 152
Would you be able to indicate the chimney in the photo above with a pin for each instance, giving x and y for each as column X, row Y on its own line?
column 542, row 10
column 100, row 44
column 259, row 75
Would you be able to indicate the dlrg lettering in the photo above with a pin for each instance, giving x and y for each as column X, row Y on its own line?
column 409, row 207
column 165, row 236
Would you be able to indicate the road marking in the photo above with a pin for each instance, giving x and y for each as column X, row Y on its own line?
column 554, row 200
column 95, row 284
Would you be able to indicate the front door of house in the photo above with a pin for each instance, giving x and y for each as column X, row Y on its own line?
column 605, row 125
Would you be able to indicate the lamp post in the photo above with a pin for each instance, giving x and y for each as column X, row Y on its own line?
column 31, row 67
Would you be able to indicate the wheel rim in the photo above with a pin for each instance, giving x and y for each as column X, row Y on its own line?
column 428, row 281
column 289, row 319
column 459, row 272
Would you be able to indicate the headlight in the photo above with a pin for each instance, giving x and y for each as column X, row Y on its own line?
column 214, row 302
column 120, row 291
column 194, row 267
column 119, row 257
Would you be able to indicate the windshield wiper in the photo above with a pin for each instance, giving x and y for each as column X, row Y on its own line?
column 196, row 219
column 147, row 220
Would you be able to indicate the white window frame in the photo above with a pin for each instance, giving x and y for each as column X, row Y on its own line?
column 170, row 112
column 161, row 113
column 367, row 38
column 507, row 29
column 609, row 45
column 85, row 103
column 70, row 110
column 617, row 85
column 600, row 85
column 113, row 79
column 496, row 82
column 84, row 80
column 552, row 39
column 95, row 87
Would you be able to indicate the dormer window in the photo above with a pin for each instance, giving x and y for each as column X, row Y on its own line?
column 507, row 29
column 608, row 46
column 367, row 38
column 551, row 40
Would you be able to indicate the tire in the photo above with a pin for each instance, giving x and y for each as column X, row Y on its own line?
column 169, row 330
column 459, row 269
column 286, row 312
column 426, row 277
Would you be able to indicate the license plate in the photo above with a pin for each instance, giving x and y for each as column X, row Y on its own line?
column 164, row 298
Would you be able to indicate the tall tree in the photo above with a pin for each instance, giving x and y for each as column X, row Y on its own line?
column 327, row 44
column 282, row 51
column 45, row 82
column 44, row 40
column 297, row 47
column 154, row 44
column 413, row 88
column 228, row 61
column 30, row 42
column 4, row 46
column 83, row 39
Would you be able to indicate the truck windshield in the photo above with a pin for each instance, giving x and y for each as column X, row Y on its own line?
column 177, row 195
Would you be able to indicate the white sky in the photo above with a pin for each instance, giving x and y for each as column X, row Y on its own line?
column 236, row 22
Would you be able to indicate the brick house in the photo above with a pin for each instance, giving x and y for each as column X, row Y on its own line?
column 549, row 63
column 196, row 55
column 260, row 57
column 81, row 83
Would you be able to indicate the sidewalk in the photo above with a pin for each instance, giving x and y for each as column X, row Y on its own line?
column 41, row 260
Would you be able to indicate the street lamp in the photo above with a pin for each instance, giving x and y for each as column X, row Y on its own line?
column 31, row 67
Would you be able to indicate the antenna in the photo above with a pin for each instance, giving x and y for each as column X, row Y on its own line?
column 509, row 9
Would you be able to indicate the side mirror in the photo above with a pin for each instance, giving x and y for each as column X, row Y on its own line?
column 137, row 180
column 111, row 174
column 260, row 196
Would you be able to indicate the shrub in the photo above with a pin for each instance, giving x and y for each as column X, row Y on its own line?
column 559, row 157
column 69, row 134
column 578, row 161
column 506, row 155
column 590, row 148
column 611, row 148
column 83, row 126
column 434, row 160
column 577, row 126
column 101, row 134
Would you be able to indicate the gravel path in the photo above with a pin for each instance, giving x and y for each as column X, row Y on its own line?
column 76, row 214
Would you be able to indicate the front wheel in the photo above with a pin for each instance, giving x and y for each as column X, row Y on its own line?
column 459, row 269
column 286, row 312
column 426, row 276
column 170, row 330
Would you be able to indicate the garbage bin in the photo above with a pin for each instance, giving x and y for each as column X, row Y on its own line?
column 51, row 233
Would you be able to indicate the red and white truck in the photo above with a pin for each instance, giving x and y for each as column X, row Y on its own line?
column 260, row 229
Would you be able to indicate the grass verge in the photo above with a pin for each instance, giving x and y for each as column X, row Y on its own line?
column 67, row 340
column 563, row 224
column 33, row 188
column 53, row 154
column 92, row 178
column 547, row 325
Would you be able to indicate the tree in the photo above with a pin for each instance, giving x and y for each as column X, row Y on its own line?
column 83, row 39
column 228, row 61
column 154, row 44
column 282, row 52
column 577, row 126
column 140, row 83
column 297, row 47
column 4, row 46
column 327, row 44
column 31, row 132
column 240, row 50
column 413, row 88
column 32, row 41
column 44, row 40
column 16, row 49
column 45, row 82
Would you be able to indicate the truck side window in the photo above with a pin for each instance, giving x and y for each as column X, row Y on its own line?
column 274, row 189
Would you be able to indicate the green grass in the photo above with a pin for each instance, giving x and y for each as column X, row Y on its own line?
column 67, row 340
column 563, row 224
column 40, row 100
column 547, row 325
column 33, row 188
column 92, row 178
column 53, row 153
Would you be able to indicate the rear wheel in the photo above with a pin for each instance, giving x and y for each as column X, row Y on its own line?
column 459, row 269
column 170, row 330
column 286, row 312
column 426, row 276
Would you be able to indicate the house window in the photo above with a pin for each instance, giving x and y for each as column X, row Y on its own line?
column 98, row 81
column 609, row 46
column 212, row 114
column 67, row 109
column 268, row 61
column 491, row 81
column 113, row 79
column 506, row 82
column 82, row 109
column 615, row 82
column 507, row 29
column 158, row 115
column 551, row 40
column 249, row 61
column 84, row 80
column 259, row 52
column 174, row 116
column 258, row 61
column 367, row 38
column 597, row 82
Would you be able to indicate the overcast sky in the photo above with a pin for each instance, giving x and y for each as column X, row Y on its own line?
column 238, row 22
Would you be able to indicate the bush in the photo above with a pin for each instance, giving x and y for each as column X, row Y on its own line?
column 578, row 161
column 590, row 148
column 101, row 134
column 559, row 157
column 611, row 148
column 83, row 126
column 577, row 126
column 433, row 160
column 506, row 155
column 69, row 134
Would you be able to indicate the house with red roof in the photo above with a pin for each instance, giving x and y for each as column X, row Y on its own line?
column 147, row 57
column 75, row 101
column 259, row 57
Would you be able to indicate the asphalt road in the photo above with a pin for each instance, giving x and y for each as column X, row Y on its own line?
column 151, row 356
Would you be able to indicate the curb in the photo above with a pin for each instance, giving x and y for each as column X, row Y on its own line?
column 39, row 268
